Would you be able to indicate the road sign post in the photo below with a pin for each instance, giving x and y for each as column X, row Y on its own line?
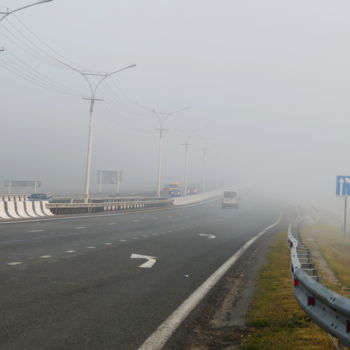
column 343, row 190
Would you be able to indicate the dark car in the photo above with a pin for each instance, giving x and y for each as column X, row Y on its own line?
column 39, row 197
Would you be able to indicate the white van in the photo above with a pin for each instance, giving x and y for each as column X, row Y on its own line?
column 230, row 199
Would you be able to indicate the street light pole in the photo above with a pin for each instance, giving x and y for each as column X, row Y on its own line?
column 187, row 146
column 93, row 89
column 203, row 168
column 4, row 14
column 162, row 117
column 7, row 13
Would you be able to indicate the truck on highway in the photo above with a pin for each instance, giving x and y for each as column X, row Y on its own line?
column 230, row 199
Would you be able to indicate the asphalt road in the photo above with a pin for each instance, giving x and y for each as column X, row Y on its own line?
column 71, row 284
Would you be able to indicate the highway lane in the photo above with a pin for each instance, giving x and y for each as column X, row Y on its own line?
column 75, row 286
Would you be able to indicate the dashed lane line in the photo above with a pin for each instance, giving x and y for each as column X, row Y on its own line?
column 33, row 231
column 79, row 227
column 45, row 256
column 14, row 263
column 69, row 251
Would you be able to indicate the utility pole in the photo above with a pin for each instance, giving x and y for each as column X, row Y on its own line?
column 162, row 118
column 187, row 146
column 203, row 168
column 92, row 98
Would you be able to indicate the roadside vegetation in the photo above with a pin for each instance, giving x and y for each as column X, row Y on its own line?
column 275, row 320
column 335, row 252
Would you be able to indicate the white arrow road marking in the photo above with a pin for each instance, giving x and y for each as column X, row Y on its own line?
column 151, row 260
column 206, row 235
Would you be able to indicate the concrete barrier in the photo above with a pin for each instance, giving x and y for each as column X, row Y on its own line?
column 11, row 210
column 196, row 198
column 30, row 209
column 21, row 210
column 3, row 213
column 45, row 209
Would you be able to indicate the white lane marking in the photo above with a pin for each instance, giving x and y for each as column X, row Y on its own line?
column 69, row 251
column 80, row 227
column 32, row 231
column 151, row 260
column 207, row 235
column 15, row 263
column 122, row 240
column 112, row 223
column 136, row 220
column 160, row 336
column 91, row 247
column 108, row 243
column 154, row 234
column 45, row 256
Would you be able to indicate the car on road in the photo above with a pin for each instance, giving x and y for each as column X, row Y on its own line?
column 230, row 199
column 39, row 197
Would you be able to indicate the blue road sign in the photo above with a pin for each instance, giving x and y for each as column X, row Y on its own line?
column 343, row 185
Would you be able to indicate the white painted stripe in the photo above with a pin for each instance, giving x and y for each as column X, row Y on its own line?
column 45, row 256
column 69, row 251
column 111, row 223
column 160, row 336
column 91, row 247
column 122, row 240
column 79, row 227
column 108, row 243
column 32, row 231
column 15, row 263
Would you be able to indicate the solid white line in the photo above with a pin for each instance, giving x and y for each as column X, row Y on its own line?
column 160, row 336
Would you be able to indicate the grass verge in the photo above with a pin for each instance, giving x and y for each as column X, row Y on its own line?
column 334, row 250
column 275, row 320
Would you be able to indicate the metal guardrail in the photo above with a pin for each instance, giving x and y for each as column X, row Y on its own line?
column 74, row 208
column 330, row 310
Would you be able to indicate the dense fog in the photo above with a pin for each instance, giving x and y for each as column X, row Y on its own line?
column 266, row 83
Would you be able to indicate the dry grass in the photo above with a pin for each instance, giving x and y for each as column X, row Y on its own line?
column 276, row 321
column 334, row 250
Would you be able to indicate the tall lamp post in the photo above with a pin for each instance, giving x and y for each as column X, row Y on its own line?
column 162, row 118
column 4, row 14
column 93, row 89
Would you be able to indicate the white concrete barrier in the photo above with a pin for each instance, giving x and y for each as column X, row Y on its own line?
column 21, row 209
column 30, row 209
column 11, row 210
column 196, row 198
column 3, row 213
column 37, row 208
column 45, row 209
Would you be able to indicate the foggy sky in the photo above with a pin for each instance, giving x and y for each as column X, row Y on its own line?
column 267, row 82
